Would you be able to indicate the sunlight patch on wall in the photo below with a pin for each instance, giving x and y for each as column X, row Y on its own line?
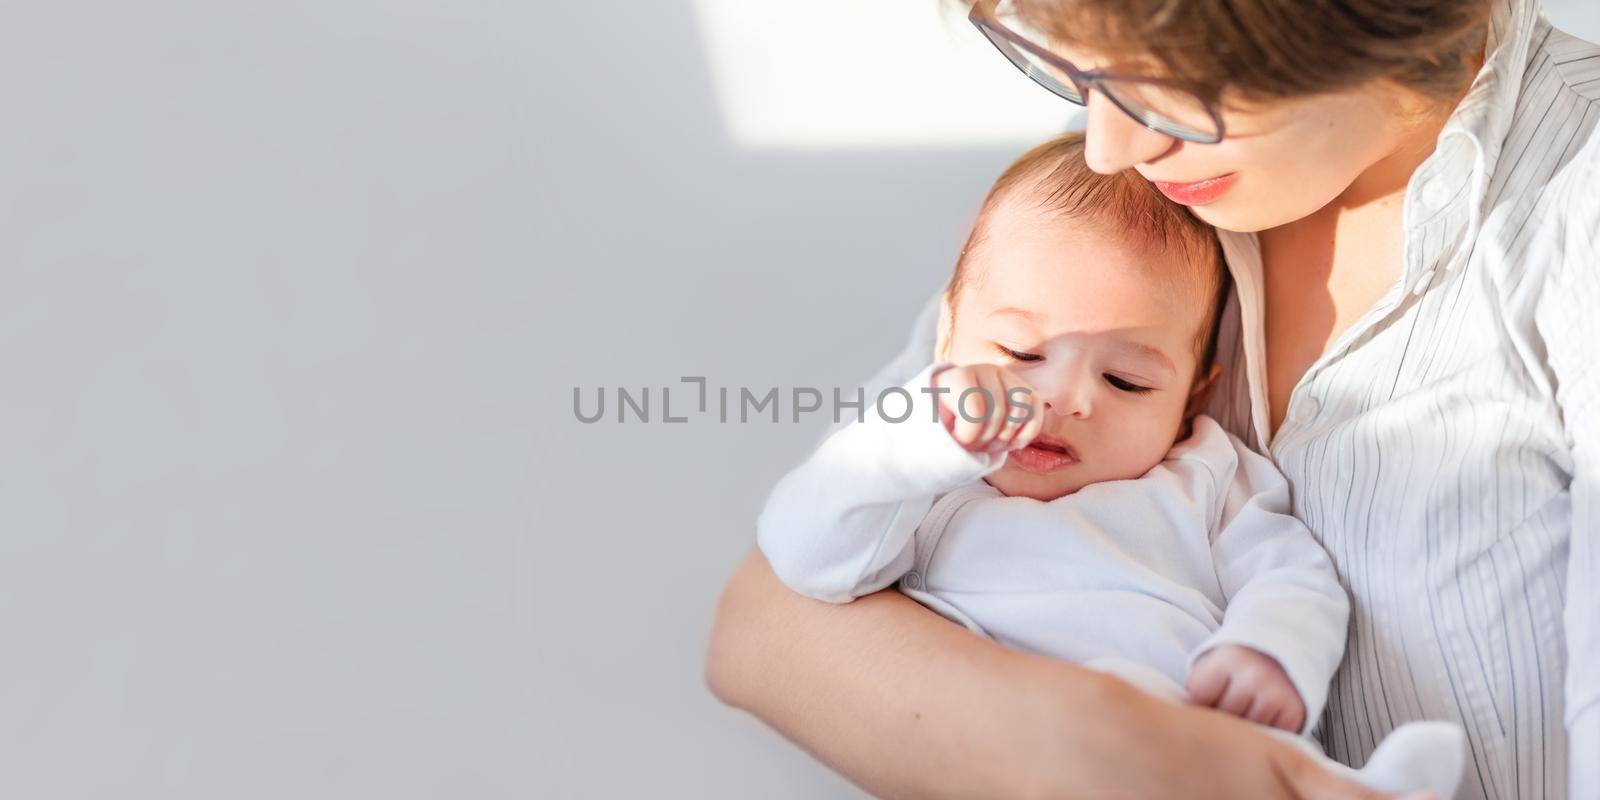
column 820, row 74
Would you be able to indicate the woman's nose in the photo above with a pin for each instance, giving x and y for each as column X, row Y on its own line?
column 1114, row 141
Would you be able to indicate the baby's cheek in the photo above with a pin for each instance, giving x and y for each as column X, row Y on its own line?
column 1145, row 446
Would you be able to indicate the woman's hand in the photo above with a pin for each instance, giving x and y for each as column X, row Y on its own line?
column 907, row 704
column 1248, row 684
column 1162, row 750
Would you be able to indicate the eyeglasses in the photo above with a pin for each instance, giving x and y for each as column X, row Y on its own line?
column 1159, row 105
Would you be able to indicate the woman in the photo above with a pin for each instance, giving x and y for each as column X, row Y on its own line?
column 1409, row 194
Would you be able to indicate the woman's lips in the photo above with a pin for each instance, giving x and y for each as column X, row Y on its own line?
column 1197, row 193
column 1044, row 454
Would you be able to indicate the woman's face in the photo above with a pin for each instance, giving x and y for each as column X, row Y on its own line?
column 1278, row 162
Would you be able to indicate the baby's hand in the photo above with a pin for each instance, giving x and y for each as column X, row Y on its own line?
column 1247, row 683
column 997, row 427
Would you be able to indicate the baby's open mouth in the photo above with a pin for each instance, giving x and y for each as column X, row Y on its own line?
column 1044, row 454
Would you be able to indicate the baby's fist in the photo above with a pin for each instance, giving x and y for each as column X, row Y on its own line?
column 1247, row 683
column 988, row 408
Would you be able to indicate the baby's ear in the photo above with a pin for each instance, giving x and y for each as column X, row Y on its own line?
column 941, row 348
column 1200, row 395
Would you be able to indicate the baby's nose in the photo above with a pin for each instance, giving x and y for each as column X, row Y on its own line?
column 1071, row 398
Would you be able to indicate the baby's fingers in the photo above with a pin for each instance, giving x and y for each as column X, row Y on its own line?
column 1207, row 685
column 1022, row 417
column 1030, row 430
column 1237, row 699
column 994, row 413
column 1293, row 717
column 1266, row 708
column 964, row 423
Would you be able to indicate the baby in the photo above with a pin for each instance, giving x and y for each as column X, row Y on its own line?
column 1055, row 487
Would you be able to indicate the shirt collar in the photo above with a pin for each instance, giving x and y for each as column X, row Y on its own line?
column 1484, row 114
column 1444, row 198
column 1446, row 195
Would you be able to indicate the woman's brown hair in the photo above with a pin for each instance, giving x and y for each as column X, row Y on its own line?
column 1269, row 49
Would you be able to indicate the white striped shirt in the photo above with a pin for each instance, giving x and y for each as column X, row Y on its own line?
column 1446, row 449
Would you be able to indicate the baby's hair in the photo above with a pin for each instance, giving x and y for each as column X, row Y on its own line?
column 1057, row 184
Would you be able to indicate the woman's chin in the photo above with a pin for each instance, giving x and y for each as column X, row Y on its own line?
column 1240, row 211
column 1236, row 217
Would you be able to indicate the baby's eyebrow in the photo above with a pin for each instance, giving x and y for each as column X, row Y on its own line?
column 1153, row 353
column 1021, row 312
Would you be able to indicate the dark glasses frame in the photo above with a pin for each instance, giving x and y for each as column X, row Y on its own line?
column 1008, row 42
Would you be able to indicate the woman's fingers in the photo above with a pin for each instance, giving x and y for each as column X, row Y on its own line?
column 1319, row 783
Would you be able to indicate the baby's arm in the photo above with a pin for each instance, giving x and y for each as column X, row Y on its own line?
column 840, row 525
column 1284, row 603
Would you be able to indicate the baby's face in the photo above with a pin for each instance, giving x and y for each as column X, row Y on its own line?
column 1089, row 321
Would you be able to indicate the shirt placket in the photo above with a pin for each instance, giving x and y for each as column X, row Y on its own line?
column 1434, row 197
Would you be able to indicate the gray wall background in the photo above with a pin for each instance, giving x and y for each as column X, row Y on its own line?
column 292, row 300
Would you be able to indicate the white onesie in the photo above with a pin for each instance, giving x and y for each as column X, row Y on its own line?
column 1136, row 576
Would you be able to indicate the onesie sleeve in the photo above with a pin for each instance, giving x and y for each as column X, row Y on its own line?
column 841, row 524
column 1283, row 595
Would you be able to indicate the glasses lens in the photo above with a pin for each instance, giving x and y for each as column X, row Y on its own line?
column 1043, row 71
column 1164, row 109
column 1159, row 107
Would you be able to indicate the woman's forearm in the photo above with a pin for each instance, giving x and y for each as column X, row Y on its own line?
column 906, row 704
column 894, row 697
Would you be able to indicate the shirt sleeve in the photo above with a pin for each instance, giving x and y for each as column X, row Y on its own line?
column 841, row 524
column 1570, row 330
column 1283, row 595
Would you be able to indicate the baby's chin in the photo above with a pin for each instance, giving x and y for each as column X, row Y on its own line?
column 1014, row 481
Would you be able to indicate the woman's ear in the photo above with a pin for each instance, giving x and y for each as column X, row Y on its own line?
column 1200, row 395
column 941, row 348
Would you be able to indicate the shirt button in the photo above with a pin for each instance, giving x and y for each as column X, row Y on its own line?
column 1307, row 409
column 912, row 580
